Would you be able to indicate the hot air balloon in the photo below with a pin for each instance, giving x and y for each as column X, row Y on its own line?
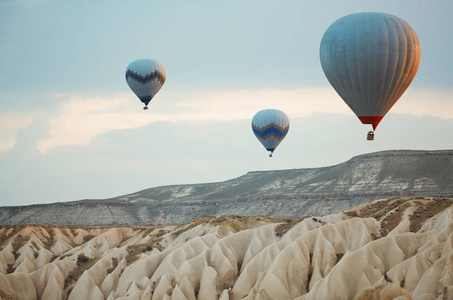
column 270, row 126
column 370, row 59
column 145, row 77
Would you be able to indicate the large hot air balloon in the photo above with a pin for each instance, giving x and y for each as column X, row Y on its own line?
column 270, row 126
column 370, row 59
column 145, row 77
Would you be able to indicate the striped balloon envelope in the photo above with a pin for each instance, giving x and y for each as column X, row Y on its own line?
column 370, row 59
column 270, row 126
column 145, row 77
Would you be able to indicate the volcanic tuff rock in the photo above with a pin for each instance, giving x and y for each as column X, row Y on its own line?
column 283, row 193
column 340, row 256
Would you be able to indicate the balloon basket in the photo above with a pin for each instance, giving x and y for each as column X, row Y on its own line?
column 370, row 136
column 145, row 108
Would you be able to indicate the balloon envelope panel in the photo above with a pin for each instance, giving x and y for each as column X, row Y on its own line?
column 145, row 77
column 370, row 59
column 270, row 126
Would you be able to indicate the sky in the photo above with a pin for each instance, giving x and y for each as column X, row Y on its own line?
column 71, row 129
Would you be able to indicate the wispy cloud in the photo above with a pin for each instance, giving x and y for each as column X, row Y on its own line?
column 426, row 102
column 10, row 125
column 82, row 118
column 244, row 104
column 297, row 103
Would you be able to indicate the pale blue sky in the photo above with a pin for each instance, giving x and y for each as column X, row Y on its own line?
column 70, row 128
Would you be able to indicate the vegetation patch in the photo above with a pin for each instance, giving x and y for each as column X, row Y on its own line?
column 283, row 228
column 82, row 258
column 235, row 222
column 15, row 230
column 48, row 242
column 377, row 209
column 87, row 238
column 351, row 213
column 18, row 243
column 390, row 212
column 135, row 251
column 374, row 236
column 10, row 269
column 239, row 223
column 392, row 219
column 427, row 209
column 319, row 221
column 75, row 274
column 186, row 227
column 114, row 263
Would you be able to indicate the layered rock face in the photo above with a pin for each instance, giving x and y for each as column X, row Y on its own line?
column 284, row 193
column 338, row 256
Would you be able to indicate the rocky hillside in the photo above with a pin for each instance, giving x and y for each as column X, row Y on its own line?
column 284, row 193
column 341, row 256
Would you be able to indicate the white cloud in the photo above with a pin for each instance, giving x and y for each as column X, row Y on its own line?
column 83, row 117
column 10, row 124
column 297, row 103
column 243, row 104
column 426, row 102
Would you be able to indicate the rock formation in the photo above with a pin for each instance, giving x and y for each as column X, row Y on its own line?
column 337, row 256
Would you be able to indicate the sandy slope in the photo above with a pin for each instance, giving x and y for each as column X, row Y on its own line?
column 235, row 257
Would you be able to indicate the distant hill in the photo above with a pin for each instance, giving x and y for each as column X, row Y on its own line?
column 284, row 193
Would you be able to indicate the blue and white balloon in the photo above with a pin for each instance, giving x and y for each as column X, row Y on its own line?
column 145, row 77
column 270, row 126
